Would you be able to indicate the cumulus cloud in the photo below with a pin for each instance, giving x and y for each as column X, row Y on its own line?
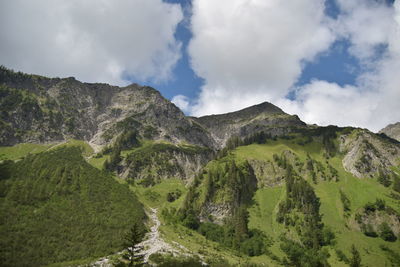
column 366, row 23
column 92, row 40
column 374, row 101
column 252, row 51
column 181, row 102
column 327, row 103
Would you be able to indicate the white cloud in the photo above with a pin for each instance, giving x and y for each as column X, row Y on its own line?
column 181, row 102
column 374, row 101
column 97, row 41
column 366, row 23
column 252, row 51
column 327, row 103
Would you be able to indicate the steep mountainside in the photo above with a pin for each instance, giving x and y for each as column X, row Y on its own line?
column 263, row 117
column 40, row 109
column 392, row 130
column 367, row 155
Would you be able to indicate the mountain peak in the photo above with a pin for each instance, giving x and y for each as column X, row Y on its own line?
column 261, row 117
column 248, row 112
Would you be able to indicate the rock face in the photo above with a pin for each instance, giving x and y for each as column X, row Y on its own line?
column 263, row 117
column 39, row 109
column 162, row 161
column 366, row 153
column 392, row 130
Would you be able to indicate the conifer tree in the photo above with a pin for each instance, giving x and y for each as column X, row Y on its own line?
column 355, row 260
column 134, row 254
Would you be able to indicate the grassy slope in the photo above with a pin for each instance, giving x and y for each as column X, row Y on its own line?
column 359, row 191
column 21, row 150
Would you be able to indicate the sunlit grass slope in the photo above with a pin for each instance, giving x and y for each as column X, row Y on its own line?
column 359, row 192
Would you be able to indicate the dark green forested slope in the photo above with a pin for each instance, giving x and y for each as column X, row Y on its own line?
column 55, row 207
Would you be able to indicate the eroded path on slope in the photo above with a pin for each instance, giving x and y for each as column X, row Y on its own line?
column 153, row 242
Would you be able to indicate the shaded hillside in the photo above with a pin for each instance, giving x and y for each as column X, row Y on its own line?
column 55, row 207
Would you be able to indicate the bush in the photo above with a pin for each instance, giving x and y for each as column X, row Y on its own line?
column 341, row 256
column 191, row 221
column 255, row 245
column 369, row 207
column 174, row 195
column 212, row 231
column 346, row 203
column 386, row 233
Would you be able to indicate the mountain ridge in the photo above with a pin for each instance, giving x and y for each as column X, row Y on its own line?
column 66, row 108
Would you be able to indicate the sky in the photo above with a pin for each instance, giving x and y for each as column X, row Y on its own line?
column 331, row 62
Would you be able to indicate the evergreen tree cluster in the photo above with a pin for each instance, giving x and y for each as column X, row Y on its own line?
column 234, row 184
column 126, row 140
column 300, row 197
column 235, row 234
column 56, row 207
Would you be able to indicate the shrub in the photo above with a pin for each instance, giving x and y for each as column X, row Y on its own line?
column 386, row 233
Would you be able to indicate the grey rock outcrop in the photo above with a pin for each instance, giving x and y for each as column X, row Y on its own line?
column 367, row 153
column 392, row 130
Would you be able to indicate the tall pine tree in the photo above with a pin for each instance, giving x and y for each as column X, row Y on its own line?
column 134, row 254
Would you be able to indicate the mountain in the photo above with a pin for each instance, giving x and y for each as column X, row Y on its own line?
column 263, row 117
column 36, row 109
column 392, row 130
column 252, row 187
column 39, row 109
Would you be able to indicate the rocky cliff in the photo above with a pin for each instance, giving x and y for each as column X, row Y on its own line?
column 392, row 130
column 367, row 154
column 39, row 109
